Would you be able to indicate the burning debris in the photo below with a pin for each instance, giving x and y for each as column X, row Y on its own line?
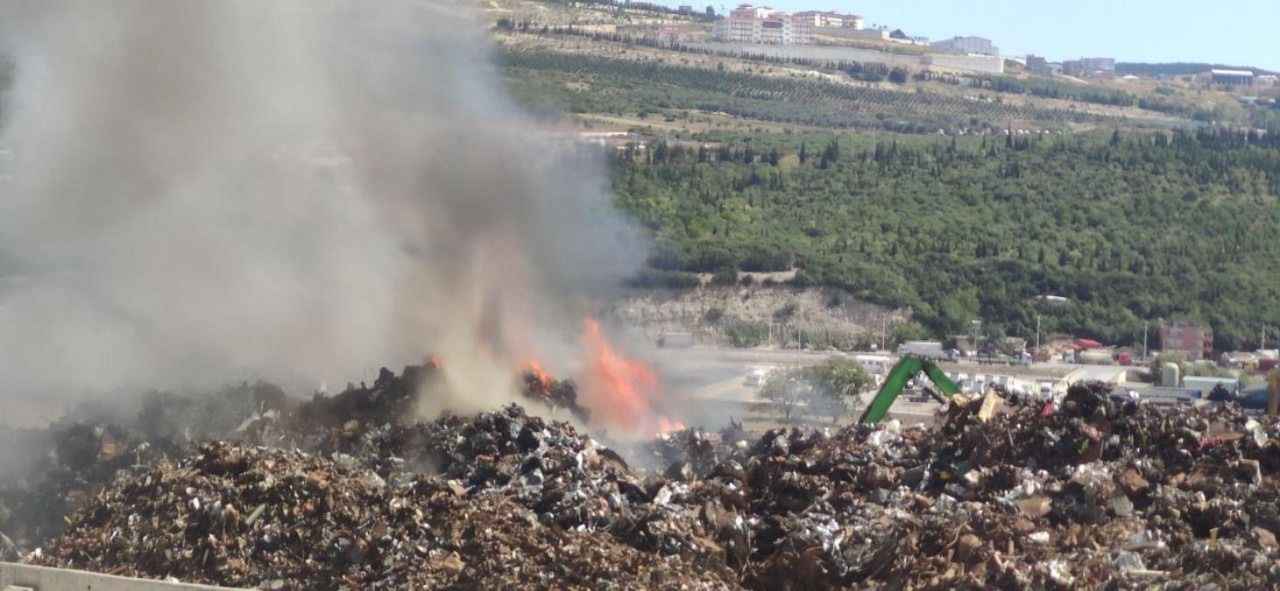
column 624, row 390
column 1091, row 494
column 539, row 386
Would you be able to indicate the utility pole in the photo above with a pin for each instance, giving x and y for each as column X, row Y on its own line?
column 1037, row 334
column 884, row 325
column 1144, row 340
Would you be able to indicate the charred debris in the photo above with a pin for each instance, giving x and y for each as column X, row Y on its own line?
column 250, row 489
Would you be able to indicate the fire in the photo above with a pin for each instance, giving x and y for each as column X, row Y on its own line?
column 534, row 368
column 666, row 425
column 621, row 392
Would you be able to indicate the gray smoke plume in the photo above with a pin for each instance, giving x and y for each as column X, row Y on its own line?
column 299, row 191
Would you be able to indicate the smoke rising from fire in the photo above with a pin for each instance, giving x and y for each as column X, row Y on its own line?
column 298, row 191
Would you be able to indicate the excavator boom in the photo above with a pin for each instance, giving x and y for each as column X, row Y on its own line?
column 909, row 367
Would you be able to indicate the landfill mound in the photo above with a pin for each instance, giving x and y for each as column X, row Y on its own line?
column 238, row 515
column 1092, row 493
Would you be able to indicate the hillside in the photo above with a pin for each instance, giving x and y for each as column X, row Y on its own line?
column 750, row 163
column 581, row 57
column 1130, row 229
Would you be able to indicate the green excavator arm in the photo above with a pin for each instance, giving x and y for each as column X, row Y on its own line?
column 909, row 367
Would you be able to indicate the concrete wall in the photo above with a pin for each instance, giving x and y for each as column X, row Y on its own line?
column 816, row 52
column 21, row 577
column 985, row 64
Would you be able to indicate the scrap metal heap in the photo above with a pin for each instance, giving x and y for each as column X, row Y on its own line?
column 1089, row 494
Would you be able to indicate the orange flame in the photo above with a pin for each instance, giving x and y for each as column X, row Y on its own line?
column 666, row 426
column 535, row 368
column 619, row 391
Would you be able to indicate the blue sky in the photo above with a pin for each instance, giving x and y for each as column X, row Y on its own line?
column 1236, row 32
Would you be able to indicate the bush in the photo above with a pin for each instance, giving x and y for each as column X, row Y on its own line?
column 725, row 277
column 709, row 257
column 760, row 258
column 786, row 312
column 657, row 278
column 747, row 334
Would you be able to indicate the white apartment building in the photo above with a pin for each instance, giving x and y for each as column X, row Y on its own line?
column 764, row 25
column 833, row 20
column 966, row 45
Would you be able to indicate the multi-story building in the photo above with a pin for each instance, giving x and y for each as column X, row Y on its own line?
column 822, row 19
column 832, row 20
column 1038, row 65
column 761, row 24
column 1192, row 339
column 1089, row 66
column 966, row 45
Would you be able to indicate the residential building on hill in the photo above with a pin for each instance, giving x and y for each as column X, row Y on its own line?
column 832, row 20
column 763, row 25
column 966, row 45
column 1038, row 65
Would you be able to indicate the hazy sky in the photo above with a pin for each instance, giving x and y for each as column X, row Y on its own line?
column 1236, row 32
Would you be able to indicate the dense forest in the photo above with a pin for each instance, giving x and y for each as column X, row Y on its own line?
column 1130, row 229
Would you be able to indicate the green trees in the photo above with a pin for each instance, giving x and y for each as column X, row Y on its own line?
column 787, row 390
column 1128, row 228
column 837, row 382
column 828, row 389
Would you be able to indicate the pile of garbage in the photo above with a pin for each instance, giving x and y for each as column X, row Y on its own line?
column 48, row 472
column 241, row 515
column 1093, row 492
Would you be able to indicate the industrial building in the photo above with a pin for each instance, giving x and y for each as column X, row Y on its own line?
column 1192, row 339
column 1231, row 77
column 1204, row 385
column 966, row 45
column 764, row 25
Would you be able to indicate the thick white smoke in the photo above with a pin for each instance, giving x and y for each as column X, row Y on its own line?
column 298, row 191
